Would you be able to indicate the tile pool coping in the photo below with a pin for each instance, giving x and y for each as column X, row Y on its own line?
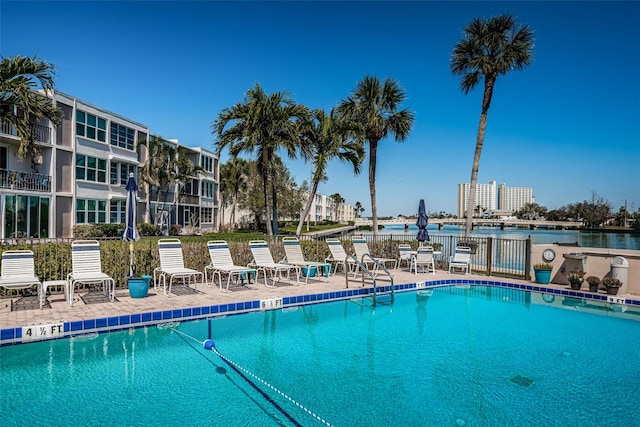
column 67, row 329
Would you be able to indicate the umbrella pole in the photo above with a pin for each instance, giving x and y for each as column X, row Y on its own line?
column 132, row 269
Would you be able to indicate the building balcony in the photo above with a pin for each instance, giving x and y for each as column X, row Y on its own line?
column 43, row 133
column 26, row 181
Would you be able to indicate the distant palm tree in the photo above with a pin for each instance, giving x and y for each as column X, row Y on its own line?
column 358, row 209
column 233, row 180
column 374, row 104
column 261, row 125
column 488, row 48
column 167, row 167
column 20, row 105
column 327, row 137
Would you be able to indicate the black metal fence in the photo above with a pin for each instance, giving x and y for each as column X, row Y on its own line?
column 490, row 256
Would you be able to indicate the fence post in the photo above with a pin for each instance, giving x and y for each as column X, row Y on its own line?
column 489, row 255
column 527, row 259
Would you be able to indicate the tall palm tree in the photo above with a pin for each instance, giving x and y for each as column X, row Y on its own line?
column 374, row 104
column 327, row 137
column 20, row 105
column 262, row 125
column 488, row 48
column 233, row 180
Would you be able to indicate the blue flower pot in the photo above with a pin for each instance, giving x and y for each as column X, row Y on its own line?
column 138, row 286
column 543, row 276
column 312, row 273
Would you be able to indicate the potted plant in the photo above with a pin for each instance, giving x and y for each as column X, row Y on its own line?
column 593, row 282
column 612, row 285
column 138, row 286
column 575, row 279
column 543, row 273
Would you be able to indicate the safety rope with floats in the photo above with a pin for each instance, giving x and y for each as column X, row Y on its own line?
column 208, row 344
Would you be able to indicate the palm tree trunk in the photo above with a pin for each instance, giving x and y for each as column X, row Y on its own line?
column 266, row 203
column 482, row 126
column 232, row 223
column 373, row 151
column 307, row 207
column 274, row 200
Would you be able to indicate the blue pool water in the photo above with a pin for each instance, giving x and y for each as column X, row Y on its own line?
column 478, row 356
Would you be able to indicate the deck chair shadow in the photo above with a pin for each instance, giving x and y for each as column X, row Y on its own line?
column 18, row 272
column 222, row 265
column 461, row 259
column 263, row 261
column 87, row 269
column 295, row 256
column 361, row 249
column 339, row 256
column 172, row 267
column 423, row 258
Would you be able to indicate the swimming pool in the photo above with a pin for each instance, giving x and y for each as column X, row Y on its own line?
column 447, row 356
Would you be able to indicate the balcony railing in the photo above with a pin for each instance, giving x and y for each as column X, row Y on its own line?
column 29, row 181
column 43, row 133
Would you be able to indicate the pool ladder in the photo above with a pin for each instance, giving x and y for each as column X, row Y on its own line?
column 376, row 296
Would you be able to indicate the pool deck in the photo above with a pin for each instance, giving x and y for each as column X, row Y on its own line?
column 182, row 305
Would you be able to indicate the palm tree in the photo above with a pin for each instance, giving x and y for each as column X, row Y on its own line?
column 20, row 105
column 359, row 209
column 167, row 167
column 233, row 180
column 489, row 48
column 374, row 104
column 327, row 137
column 263, row 124
column 337, row 200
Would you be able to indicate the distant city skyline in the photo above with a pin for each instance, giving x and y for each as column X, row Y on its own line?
column 566, row 126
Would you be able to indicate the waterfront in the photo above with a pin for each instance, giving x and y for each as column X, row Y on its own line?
column 540, row 236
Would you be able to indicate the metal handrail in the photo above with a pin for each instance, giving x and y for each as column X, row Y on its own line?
column 372, row 275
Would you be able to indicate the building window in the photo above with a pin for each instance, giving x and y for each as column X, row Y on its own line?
column 117, row 209
column 208, row 189
column 89, row 211
column 206, row 215
column 26, row 216
column 122, row 136
column 91, row 168
column 207, row 163
column 119, row 173
column 191, row 187
column 90, row 126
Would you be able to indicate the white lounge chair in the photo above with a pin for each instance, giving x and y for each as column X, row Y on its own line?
column 87, row 269
column 263, row 261
column 405, row 254
column 338, row 256
column 361, row 249
column 222, row 264
column 461, row 259
column 18, row 272
column 295, row 256
column 172, row 266
column 423, row 258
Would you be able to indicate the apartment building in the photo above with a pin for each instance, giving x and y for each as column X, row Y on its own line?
column 80, row 175
column 511, row 199
column 494, row 198
column 322, row 209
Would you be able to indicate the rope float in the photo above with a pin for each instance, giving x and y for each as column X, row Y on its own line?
column 209, row 344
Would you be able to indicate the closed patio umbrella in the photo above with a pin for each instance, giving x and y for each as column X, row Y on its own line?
column 130, row 230
column 423, row 220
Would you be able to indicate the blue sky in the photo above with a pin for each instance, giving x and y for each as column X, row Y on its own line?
column 567, row 126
